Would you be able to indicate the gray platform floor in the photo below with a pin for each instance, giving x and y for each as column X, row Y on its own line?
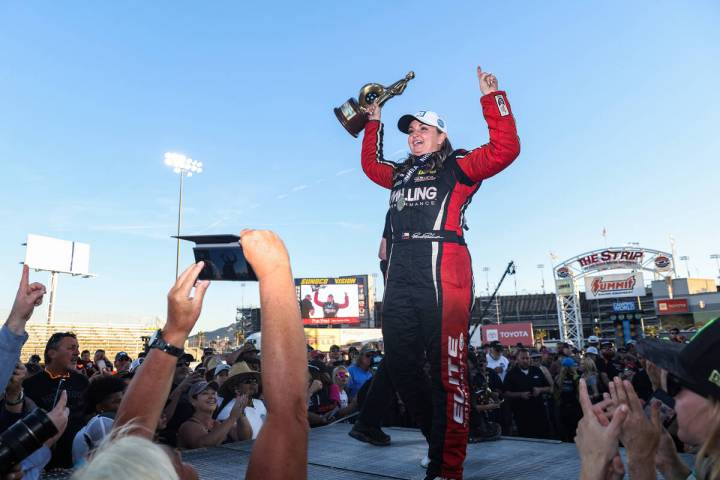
column 333, row 454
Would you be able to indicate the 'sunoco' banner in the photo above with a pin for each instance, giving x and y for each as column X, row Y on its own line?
column 616, row 285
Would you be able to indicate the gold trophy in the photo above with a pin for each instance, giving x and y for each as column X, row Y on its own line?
column 353, row 114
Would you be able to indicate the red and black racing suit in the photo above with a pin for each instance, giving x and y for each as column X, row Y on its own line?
column 429, row 290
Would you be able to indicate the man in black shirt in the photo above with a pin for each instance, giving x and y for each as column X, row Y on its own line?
column 524, row 386
column 606, row 367
column 61, row 357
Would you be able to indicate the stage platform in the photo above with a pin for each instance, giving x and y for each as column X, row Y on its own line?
column 332, row 455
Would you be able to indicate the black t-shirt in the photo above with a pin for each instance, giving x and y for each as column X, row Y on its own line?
column 518, row 381
column 41, row 389
column 305, row 307
column 607, row 367
column 493, row 381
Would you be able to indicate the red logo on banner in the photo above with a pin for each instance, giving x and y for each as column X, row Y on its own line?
column 599, row 285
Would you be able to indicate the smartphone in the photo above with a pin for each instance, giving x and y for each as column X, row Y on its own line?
column 224, row 262
column 61, row 384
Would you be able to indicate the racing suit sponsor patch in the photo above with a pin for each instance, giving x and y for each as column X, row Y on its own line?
column 502, row 106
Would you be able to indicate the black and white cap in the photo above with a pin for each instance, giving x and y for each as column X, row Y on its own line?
column 423, row 116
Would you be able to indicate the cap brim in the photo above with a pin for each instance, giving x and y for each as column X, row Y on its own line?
column 665, row 355
column 404, row 122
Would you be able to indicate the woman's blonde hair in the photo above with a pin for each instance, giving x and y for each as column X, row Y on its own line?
column 707, row 461
column 588, row 365
column 127, row 456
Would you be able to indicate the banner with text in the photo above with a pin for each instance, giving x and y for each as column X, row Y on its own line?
column 509, row 334
column 616, row 285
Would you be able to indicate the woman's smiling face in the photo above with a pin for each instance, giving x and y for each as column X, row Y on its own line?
column 423, row 138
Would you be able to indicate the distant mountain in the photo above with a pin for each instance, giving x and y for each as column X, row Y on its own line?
column 218, row 334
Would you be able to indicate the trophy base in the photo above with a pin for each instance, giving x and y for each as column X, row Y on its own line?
column 351, row 116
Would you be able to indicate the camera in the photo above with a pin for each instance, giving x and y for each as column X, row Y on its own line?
column 24, row 437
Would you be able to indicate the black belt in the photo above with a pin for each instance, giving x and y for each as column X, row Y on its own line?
column 432, row 236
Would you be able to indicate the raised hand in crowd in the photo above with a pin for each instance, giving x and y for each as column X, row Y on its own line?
column 597, row 439
column 280, row 450
column 29, row 296
column 12, row 334
column 14, row 391
column 147, row 393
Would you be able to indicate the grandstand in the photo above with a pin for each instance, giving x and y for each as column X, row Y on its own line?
column 111, row 337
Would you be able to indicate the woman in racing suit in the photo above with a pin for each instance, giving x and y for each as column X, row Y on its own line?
column 429, row 290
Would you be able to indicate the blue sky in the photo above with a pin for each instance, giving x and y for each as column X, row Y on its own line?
column 617, row 106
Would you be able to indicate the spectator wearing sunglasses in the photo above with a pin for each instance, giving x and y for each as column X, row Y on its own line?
column 691, row 375
column 202, row 430
column 338, row 393
column 360, row 371
column 242, row 382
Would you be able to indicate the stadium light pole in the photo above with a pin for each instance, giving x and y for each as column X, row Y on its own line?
column 185, row 167
column 686, row 259
column 541, row 267
column 487, row 280
column 716, row 257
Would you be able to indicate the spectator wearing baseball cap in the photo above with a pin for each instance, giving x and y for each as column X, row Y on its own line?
column 691, row 375
column 220, row 373
column 122, row 363
column 497, row 361
column 201, row 430
column 360, row 371
column 693, row 380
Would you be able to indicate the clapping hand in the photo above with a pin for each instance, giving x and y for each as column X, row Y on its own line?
column 639, row 434
column 597, row 441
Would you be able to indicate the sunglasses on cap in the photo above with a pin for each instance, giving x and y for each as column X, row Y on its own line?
column 182, row 364
column 250, row 381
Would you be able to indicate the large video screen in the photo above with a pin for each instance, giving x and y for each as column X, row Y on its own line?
column 332, row 301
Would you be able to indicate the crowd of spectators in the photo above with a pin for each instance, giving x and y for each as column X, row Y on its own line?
column 100, row 410
column 130, row 417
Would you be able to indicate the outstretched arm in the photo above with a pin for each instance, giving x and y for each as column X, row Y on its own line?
column 145, row 398
column 374, row 165
column 12, row 334
column 504, row 145
column 346, row 302
column 280, row 451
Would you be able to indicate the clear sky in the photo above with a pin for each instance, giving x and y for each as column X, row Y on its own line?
column 617, row 105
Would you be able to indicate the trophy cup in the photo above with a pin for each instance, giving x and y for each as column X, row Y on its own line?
column 353, row 114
